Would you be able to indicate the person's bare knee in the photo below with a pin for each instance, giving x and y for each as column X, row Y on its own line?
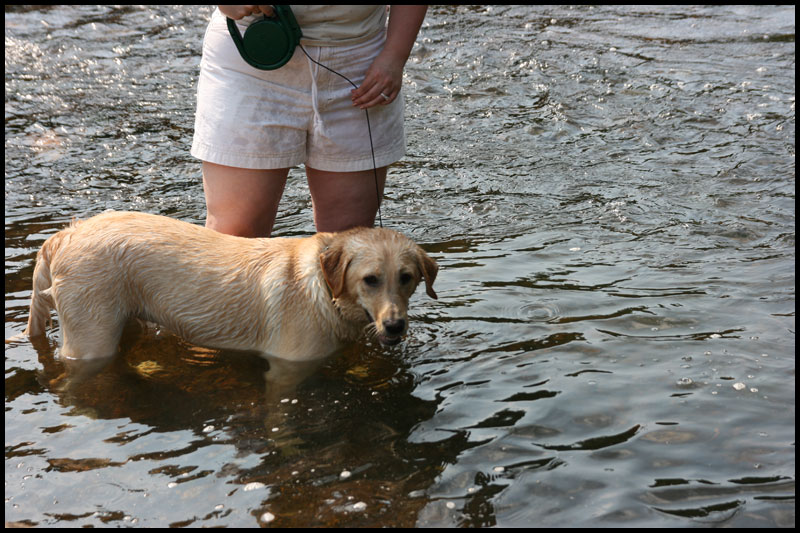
column 344, row 200
column 241, row 201
column 238, row 225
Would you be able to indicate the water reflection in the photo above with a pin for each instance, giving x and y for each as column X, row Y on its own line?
column 160, row 385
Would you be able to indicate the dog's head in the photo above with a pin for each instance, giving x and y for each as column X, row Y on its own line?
column 372, row 272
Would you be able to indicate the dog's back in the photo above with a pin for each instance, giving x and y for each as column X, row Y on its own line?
column 99, row 272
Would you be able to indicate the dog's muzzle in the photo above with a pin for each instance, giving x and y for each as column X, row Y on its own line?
column 390, row 332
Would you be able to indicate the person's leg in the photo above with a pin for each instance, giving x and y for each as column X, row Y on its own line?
column 242, row 201
column 344, row 200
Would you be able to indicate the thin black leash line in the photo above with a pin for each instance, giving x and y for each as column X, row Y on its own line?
column 369, row 131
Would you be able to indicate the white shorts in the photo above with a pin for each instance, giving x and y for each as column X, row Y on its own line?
column 299, row 113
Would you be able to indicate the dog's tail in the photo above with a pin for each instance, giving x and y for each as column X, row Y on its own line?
column 42, row 298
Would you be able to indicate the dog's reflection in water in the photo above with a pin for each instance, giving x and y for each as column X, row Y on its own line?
column 158, row 375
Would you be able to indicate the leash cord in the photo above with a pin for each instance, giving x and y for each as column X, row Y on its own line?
column 369, row 131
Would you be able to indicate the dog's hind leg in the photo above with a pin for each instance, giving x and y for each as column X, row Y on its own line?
column 41, row 297
column 90, row 333
column 90, row 341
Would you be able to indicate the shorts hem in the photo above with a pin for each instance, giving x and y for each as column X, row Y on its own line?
column 241, row 160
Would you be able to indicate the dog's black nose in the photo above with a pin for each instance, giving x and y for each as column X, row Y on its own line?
column 394, row 327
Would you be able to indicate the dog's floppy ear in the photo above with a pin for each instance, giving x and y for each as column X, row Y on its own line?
column 429, row 268
column 334, row 268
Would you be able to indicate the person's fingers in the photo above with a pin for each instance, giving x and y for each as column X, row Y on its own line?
column 376, row 97
column 376, row 89
column 237, row 12
column 267, row 10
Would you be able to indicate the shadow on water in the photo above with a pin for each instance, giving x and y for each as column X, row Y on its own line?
column 609, row 192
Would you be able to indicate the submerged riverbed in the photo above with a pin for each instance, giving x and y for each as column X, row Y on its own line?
column 610, row 195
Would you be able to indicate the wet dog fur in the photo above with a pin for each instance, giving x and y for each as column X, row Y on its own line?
column 292, row 298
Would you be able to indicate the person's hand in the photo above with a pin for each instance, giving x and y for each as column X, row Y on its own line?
column 384, row 77
column 239, row 12
column 381, row 84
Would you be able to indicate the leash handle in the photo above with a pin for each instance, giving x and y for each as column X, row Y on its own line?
column 269, row 43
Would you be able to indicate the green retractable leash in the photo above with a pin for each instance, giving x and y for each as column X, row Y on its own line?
column 269, row 43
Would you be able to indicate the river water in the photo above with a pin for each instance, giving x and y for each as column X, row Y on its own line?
column 610, row 195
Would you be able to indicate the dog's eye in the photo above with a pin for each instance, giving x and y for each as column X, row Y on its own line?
column 405, row 278
column 371, row 281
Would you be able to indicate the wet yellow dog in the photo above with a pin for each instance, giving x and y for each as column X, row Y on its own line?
column 292, row 298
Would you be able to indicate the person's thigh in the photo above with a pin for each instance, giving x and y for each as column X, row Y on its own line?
column 242, row 201
column 344, row 200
